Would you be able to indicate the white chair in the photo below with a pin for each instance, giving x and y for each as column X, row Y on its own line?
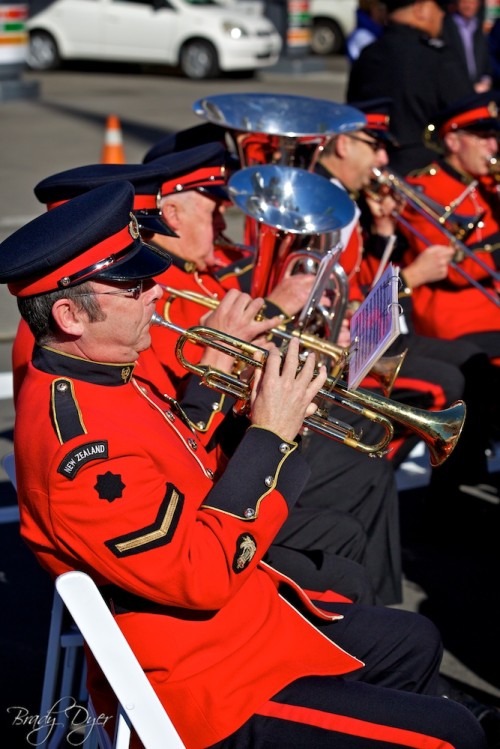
column 6, row 386
column 64, row 676
column 8, row 514
column 139, row 706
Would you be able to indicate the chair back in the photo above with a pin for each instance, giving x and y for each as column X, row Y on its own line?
column 140, row 707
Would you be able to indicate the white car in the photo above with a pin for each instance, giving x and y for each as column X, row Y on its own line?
column 199, row 36
column 332, row 22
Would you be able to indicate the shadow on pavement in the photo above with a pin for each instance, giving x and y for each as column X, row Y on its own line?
column 457, row 566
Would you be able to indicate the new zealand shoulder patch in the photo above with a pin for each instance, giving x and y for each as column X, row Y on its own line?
column 77, row 458
column 246, row 546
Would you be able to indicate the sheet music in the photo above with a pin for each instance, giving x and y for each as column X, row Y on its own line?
column 374, row 326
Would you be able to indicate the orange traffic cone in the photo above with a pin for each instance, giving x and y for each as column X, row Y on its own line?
column 112, row 151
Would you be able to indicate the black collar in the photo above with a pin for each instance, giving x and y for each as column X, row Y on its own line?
column 66, row 365
column 462, row 177
column 186, row 265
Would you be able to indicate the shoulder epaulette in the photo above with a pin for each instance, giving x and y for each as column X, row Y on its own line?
column 66, row 413
column 427, row 171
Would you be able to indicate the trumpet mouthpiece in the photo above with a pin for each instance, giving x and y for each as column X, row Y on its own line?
column 156, row 319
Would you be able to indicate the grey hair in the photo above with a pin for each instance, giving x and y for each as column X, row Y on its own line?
column 37, row 310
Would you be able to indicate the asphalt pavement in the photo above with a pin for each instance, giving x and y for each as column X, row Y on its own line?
column 453, row 580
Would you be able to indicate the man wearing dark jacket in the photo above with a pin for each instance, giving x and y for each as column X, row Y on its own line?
column 410, row 64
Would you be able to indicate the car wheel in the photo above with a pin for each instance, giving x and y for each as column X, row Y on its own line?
column 198, row 60
column 42, row 51
column 326, row 37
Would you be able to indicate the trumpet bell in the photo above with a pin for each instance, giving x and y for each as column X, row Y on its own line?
column 386, row 371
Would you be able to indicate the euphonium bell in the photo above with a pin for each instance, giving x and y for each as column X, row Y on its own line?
column 440, row 430
column 287, row 203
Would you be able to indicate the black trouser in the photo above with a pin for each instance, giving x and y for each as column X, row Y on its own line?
column 353, row 483
column 389, row 703
column 322, row 549
column 463, row 371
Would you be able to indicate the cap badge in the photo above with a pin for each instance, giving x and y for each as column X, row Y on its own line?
column 493, row 109
column 133, row 227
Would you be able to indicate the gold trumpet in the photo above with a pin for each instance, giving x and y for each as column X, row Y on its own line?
column 439, row 430
column 384, row 371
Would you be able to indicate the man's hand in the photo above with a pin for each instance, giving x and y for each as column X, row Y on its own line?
column 236, row 316
column 292, row 292
column 282, row 395
column 384, row 212
column 430, row 265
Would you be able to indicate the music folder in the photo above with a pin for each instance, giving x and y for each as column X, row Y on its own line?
column 374, row 326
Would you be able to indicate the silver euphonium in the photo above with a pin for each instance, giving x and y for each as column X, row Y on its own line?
column 289, row 204
column 276, row 129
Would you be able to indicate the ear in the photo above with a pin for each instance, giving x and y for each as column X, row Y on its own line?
column 170, row 213
column 451, row 142
column 68, row 318
column 342, row 145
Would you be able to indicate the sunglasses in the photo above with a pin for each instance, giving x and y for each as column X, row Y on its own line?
column 375, row 145
column 134, row 292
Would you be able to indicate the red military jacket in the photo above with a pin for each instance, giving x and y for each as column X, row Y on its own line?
column 454, row 307
column 115, row 484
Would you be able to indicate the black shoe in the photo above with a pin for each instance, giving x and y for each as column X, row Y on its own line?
column 490, row 721
column 487, row 715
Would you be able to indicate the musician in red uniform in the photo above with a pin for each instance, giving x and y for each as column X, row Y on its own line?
column 202, row 404
column 117, row 485
column 336, row 561
column 361, row 489
column 466, row 134
column 434, row 373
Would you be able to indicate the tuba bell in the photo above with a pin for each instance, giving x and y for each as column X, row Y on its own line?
column 278, row 128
